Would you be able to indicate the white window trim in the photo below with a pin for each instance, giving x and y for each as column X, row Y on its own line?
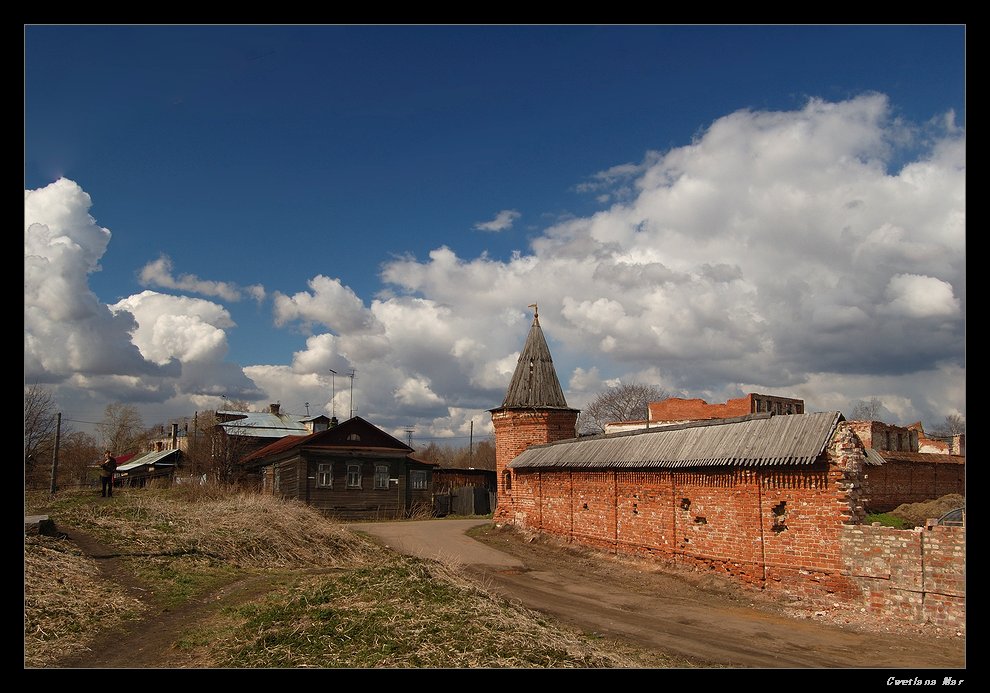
column 351, row 465
column 320, row 472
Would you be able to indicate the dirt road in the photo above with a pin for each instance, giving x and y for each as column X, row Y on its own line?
column 700, row 618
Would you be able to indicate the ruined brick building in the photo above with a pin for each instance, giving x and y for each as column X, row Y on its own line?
column 775, row 501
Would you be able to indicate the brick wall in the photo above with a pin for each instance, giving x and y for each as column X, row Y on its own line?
column 518, row 429
column 896, row 482
column 790, row 530
column 881, row 436
column 678, row 409
column 917, row 575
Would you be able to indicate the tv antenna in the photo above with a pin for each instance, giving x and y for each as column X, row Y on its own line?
column 333, row 393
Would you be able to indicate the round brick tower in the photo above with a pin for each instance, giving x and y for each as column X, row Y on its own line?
column 533, row 412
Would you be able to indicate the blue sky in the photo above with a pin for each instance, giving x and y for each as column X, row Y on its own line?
column 236, row 210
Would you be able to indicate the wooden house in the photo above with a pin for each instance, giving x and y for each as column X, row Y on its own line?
column 354, row 470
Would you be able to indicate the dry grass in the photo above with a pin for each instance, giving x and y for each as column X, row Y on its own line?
column 917, row 514
column 340, row 601
column 65, row 600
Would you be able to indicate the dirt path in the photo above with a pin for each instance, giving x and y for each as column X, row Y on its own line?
column 703, row 622
column 701, row 618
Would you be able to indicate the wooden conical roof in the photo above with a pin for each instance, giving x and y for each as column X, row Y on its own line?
column 534, row 383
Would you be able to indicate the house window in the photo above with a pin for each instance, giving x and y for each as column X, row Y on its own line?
column 420, row 480
column 381, row 476
column 353, row 475
column 354, row 436
column 324, row 476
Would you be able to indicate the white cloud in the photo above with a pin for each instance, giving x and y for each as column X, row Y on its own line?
column 67, row 331
column 778, row 252
column 158, row 273
column 916, row 296
column 502, row 221
column 176, row 327
column 147, row 348
column 329, row 303
column 774, row 246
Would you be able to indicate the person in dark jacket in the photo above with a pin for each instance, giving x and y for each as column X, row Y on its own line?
column 107, row 469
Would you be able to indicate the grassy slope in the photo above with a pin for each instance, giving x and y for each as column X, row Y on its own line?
column 342, row 601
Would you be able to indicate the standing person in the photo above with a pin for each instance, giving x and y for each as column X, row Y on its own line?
column 107, row 468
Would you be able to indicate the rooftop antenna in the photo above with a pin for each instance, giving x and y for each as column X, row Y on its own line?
column 333, row 393
column 307, row 410
column 351, row 415
column 409, row 432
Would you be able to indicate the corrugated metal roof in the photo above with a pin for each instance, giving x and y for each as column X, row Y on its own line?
column 873, row 458
column 147, row 458
column 264, row 425
column 754, row 440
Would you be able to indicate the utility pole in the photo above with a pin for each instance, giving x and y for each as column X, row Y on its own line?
column 58, row 437
column 471, row 443
column 409, row 433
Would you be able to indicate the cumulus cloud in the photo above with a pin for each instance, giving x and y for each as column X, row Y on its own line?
column 774, row 246
column 176, row 327
column 67, row 331
column 146, row 348
column 328, row 302
column 158, row 273
column 502, row 221
column 915, row 296
column 816, row 253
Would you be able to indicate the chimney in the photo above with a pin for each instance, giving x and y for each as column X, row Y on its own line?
column 273, row 408
column 333, row 422
column 175, row 436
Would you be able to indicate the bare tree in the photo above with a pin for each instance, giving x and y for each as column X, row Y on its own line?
column 954, row 424
column 867, row 410
column 40, row 422
column 625, row 402
column 121, row 430
column 78, row 454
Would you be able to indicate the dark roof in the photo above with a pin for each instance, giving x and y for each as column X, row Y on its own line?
column 353, row 435
column 752, row 440
column 535, row 383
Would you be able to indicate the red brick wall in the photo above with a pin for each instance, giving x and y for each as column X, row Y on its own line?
column 776, row 527
column 516, row 430
column 677, row 409
column 917, row 575
column 897, row 482
column 880, row 436
column 791, row 530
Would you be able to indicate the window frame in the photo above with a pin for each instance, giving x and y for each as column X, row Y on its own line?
column 381, row 476
column 351, row 467
column 414, row 479
column 324, row 468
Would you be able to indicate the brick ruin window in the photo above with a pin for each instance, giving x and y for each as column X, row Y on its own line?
column 507, row 480
column 779, row 516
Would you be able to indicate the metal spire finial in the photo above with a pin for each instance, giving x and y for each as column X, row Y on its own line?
column 536, row 310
